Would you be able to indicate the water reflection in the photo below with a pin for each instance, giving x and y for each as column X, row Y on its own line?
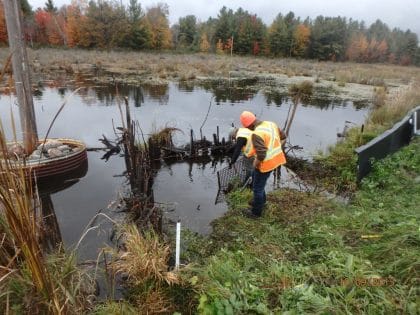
column 108, row 94
column 229, row 91
column 275, row 97
column 190, row 189
column 186, row 86
column 46, row 187
column 52, row 234
column 279, row 98
column 222, row 91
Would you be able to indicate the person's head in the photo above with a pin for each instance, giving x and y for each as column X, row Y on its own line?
column 248, row 119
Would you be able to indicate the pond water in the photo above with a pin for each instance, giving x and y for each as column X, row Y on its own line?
column 188, row 189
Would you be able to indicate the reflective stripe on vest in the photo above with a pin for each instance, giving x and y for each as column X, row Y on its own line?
column 248, row 150
column 268, row 131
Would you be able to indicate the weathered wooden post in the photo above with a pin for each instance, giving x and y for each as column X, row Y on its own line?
column 21, row 75
column 191, row 142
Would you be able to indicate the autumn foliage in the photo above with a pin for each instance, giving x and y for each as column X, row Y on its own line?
column 108, row 24
column 3, row 30
column 361, row 49
column 301, row 37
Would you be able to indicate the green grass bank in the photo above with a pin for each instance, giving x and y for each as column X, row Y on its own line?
column 308, row 255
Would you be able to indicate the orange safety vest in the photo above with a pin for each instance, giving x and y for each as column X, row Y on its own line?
column 248, row 150
column 268, row 131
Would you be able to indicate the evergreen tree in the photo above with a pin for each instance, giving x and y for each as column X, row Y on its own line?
column 378, row 30
column 277, row 36
column 403, row 46
column 328, row 38
column 135, row 12
column 224, row 28
column 139, row 33
column 50, row 7
column 187, row 31
column 291, row 24
column 250, row 33
column 26, row 8
column 417, row 57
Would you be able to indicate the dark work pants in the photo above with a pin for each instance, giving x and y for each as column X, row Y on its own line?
column 258, row 187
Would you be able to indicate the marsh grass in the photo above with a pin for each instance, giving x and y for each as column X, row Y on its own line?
column 379, row 97
column 395, row 107
column 190, row 66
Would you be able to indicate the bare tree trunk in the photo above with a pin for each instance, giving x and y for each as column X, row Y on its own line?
column 21, row 74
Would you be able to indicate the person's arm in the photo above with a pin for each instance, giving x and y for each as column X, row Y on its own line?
column 260, row 149
column 240, row 142
column 282, row 137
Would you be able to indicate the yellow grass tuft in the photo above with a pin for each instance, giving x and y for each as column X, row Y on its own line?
column 145, row 258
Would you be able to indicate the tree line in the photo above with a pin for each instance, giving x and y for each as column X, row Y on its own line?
column 108, row 24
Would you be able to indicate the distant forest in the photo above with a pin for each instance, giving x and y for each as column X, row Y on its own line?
column 107, row 24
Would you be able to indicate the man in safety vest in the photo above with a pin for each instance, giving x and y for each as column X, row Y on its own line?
column 267, row 140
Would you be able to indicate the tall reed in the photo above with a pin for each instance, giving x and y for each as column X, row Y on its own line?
column 21, row 230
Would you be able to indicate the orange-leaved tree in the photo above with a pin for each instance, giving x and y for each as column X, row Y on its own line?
column 219, row 47
column 75, row 18
column 357, row 49
column 157, row 18
column 377, row 51
column 42, row 21
column 301, row 37
column 204, row 43
column 3, row 29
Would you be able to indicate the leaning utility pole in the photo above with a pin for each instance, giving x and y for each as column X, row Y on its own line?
column 21, row 73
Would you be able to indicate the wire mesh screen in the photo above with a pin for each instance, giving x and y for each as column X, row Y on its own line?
column 238, row 174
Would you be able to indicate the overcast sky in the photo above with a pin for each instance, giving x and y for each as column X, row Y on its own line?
column 404, row 14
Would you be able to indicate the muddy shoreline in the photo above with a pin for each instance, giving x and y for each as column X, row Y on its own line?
column 331, row 81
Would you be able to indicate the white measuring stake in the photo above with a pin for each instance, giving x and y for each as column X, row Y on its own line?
column 178, row 243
